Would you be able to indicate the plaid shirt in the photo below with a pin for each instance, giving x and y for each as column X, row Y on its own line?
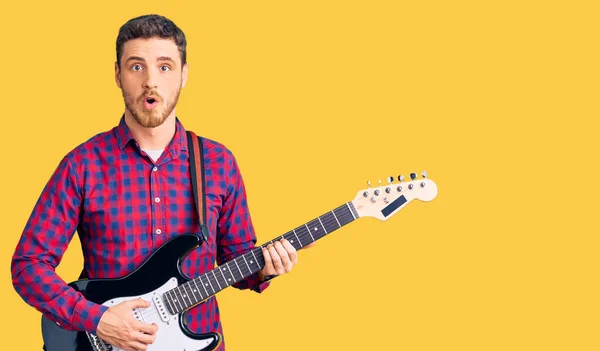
column 124, row 206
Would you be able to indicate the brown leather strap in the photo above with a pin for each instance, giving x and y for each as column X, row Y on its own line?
column 198, row 173
column 196, row 152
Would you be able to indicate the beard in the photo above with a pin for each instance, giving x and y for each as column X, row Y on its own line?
column 154, row 117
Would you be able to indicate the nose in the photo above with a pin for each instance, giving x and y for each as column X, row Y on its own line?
column 150, row 79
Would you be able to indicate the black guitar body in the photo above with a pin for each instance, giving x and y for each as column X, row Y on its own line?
column 160, row 272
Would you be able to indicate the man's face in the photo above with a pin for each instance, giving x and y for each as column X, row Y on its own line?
column 150, row 78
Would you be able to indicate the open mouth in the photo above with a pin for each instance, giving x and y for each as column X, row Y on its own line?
column 150, row 103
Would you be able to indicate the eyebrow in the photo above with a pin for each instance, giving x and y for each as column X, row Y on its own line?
column 161, row 58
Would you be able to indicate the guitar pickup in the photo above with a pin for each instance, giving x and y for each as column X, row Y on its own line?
column 160, row 306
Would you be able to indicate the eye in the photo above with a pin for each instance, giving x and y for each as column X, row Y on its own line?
column 165, row 68
column 136, row 67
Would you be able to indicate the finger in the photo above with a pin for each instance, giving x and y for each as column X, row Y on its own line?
column 150, row 329
column 292, row 253
column 268, row 269
column 284, row 255
column 138, row 346
column 144, row 338
column 276, row 260
column 138, row 303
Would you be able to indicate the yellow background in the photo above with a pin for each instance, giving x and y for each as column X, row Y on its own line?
column 497, row 100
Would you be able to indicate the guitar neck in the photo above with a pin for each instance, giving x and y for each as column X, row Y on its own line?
column 208, row 284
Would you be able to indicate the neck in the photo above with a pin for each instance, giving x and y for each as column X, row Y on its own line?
column 189, row 294
column 152, row 138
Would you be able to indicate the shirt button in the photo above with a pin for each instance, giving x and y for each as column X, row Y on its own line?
column 155, row 169
column 157, row 199
column 158, row 231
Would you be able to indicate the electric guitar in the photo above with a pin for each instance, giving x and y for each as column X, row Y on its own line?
column 160, row 279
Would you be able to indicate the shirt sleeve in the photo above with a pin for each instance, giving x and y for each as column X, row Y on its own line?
column 235, row 232
column 46, row 236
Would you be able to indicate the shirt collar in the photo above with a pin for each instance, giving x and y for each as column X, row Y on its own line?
column 178, row 143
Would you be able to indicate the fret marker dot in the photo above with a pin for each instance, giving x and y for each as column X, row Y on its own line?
column 292, row 241
column 206, row 284
column 315, row 229
column 229, row 279
column 251, row 262
column 194, row 290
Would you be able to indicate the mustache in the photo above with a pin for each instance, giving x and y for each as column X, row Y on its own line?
column 150, row 94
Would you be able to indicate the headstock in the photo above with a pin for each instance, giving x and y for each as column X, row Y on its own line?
column 384, row 201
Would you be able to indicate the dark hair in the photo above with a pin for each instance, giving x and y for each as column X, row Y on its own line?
column 151, row 26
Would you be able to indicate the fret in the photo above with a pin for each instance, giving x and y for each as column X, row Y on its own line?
column 208, row 283
column 217, row 280
column 330, row 222
column 168, row 300
column 316, row 232
column 197, row 289
column 348, row 204
column 249, row 269
column 336, row 219
column 177, row 300
column 305, row 237
column 202, row 285
column 256, row 260
column 299, row 242
column 189, row 291
column 309, row 233
column 224, row 270
column 289, row 236
column 238, row 267
column 182, row 296
column 344, row 215
column 170, row 295
column 319, row 218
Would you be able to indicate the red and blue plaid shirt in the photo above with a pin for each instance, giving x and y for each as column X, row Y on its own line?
column 124, row 206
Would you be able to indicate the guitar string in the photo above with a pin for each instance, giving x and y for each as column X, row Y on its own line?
column 305, row 235
column 149, row 315
column 332, row 221
column 211, row 279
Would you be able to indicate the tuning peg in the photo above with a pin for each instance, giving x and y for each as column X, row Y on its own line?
column 390, row 180
column 401, row 178
column 424, row 174
column 413, row 176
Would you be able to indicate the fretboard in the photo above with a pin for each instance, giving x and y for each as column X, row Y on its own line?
column 206, row 285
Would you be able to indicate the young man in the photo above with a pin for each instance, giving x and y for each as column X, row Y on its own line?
column 128, row 191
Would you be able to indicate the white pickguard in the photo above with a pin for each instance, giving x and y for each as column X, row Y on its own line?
column 169, row 336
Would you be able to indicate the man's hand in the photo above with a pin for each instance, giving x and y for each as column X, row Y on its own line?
column 280, row 257
column 118, row 327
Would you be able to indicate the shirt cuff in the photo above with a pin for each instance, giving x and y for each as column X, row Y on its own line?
column 257, row 284
column 87, row 315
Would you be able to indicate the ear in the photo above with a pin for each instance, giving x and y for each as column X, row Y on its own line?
column 184, row 74
column 117, row 75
